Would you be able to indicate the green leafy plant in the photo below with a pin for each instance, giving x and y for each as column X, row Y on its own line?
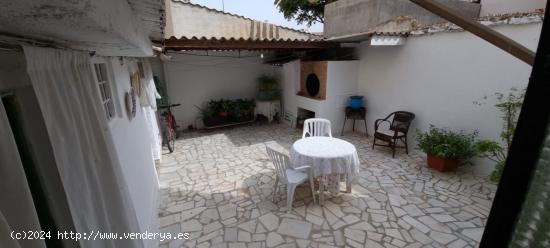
column 509, row 105
column 303, row 11
column 267, row 83
column 268, row 88
column 244, row 106
column 226, row 106
column 446, row 144
column 214, row 106
column 205, row 112
column 495, row 152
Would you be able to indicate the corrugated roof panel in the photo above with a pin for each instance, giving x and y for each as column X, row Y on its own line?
column 188, row 19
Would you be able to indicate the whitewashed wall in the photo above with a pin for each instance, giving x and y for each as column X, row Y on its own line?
column 510, row 6
column 193, row 80
column 133, row 147
column 438, row 77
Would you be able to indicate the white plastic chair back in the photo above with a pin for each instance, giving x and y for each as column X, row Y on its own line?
column 280, row 161
column 317, row 127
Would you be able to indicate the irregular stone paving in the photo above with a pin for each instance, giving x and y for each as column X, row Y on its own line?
column 217, row 186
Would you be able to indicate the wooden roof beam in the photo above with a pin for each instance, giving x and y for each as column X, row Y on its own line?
column 508, row 45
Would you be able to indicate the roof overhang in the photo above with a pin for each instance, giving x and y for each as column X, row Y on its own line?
column 387, row 40
column 245, row 44
column 109, row 28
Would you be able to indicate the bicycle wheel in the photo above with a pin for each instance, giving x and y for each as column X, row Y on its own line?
column 171, row 141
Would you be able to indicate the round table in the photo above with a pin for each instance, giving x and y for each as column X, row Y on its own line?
column 327, row 156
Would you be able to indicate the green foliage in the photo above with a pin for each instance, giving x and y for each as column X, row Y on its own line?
column 237, row 107
column 303, row 11
column 509, row 105
column 491, row 150
column 245, row 106
column 226, row 106
column 446, row 144
column 497, row 172
column 267, row 83
column 268, row 88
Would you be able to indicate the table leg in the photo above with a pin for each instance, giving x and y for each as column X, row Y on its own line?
column 321, row 191
column 348, row 185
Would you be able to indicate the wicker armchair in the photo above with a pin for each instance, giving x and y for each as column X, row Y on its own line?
column 399, row 123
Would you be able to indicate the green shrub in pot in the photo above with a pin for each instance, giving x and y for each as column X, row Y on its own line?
column 447, row 149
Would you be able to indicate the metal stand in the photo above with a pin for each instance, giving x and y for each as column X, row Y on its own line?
column 355, row 114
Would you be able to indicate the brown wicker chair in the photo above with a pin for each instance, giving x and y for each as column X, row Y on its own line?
column 399, row 123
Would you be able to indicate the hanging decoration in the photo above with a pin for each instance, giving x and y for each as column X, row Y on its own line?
column 130, row 99
column 136, row 83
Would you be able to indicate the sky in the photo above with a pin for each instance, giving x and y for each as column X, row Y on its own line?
column 261, row 10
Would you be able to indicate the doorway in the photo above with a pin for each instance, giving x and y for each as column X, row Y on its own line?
column 38, row 177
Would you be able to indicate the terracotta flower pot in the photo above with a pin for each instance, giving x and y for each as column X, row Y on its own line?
column 224, row 114
column 442, row 165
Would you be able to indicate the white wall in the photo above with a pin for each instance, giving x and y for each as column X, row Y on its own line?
column 341, row 83
column 489, row 7
column 438, row 77
column 194, row 80
column 133, row 146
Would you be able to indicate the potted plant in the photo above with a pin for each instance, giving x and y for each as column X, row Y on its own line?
column 247, row 107
column 446, row 149
column 225, row 108
column 224, row 111
column 268, row 88
column 211, row 114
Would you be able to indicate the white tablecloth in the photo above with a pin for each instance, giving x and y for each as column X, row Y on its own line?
column 327, row 156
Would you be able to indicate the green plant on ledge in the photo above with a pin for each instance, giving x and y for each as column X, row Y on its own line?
column 268, row 88
column 509, row 105
column 448, row 145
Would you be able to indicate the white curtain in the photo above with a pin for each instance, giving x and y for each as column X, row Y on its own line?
column 149, row 94
column 148, row 102
column 5, row 234
column 82, row 144
column 154, row 133
column 17, row 211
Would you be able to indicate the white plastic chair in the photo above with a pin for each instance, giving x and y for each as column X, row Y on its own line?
column 291, row 176
column 317, row 127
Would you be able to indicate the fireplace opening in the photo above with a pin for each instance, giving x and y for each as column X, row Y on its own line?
column 302, row 116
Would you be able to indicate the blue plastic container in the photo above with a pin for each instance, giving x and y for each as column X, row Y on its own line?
column 356, row 102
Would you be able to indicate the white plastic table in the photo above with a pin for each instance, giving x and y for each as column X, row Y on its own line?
column 328, row 157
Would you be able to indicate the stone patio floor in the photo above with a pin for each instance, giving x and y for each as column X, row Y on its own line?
column 217, row 186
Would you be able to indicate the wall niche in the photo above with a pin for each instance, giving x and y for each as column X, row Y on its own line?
column 313, row 79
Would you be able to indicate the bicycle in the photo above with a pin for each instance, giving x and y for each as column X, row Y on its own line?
column 169, row 134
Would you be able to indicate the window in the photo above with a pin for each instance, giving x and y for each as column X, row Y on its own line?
column 105, row 90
